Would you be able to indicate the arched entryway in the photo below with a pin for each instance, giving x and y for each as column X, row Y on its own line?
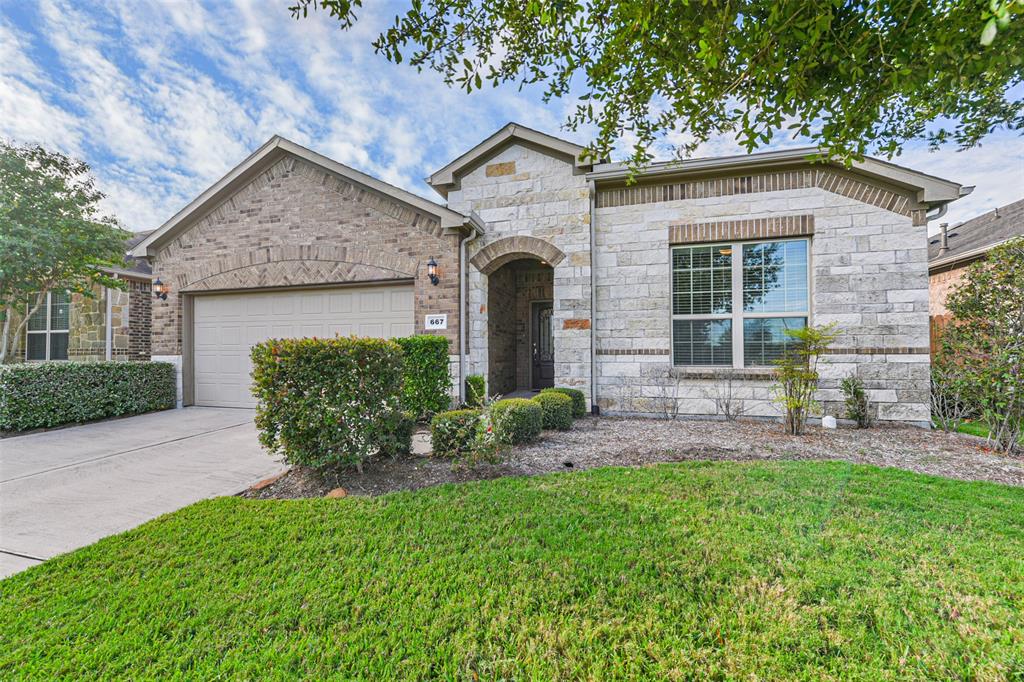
column 520, row 296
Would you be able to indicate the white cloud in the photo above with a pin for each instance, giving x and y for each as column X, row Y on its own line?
column 163, row 98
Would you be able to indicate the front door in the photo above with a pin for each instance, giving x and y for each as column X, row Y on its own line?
column 543, row 346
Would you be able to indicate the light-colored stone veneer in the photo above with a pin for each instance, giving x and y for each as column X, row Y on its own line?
column 869, row 276
column 545, row 198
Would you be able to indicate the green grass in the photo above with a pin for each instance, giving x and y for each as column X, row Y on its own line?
column 687, row 571
column 978, row 428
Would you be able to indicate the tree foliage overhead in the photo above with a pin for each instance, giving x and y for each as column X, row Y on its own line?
column 52, row 234
column 854, row 77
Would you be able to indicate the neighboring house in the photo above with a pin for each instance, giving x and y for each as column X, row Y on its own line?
column 551, row 269
column 955, row 248
column 110, row 325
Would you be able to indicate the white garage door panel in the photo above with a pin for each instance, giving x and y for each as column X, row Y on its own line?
column 227, row 325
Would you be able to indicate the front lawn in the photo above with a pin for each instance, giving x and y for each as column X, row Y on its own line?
column 781, row 570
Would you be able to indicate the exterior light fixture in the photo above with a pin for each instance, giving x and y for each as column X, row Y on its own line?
column 432, row 271
column 160, row 289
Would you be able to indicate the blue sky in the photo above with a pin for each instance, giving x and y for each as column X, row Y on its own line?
column 163, row 97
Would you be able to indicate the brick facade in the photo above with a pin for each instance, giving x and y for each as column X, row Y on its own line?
column 941, row 284
column 297, row 224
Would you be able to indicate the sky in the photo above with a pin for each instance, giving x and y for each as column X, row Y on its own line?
column 163, row 97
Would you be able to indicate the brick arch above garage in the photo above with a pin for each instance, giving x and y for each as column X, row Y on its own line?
column 278, row 266
column 497, row 253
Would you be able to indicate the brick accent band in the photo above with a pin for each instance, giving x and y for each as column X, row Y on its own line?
column 576, row 324
column 633, row 351
column 729, row 230
column 829, row 179
column 888, row 350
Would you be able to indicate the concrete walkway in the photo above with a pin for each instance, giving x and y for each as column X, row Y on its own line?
column 63, row 489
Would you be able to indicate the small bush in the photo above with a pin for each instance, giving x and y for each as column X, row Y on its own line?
column 579, row 400
column 452, row 433
column 426, row 381
column 330, row 401
column 557, row 410
column 44, row 395
column 476, row 390
column 857, row 406
column 517, row 420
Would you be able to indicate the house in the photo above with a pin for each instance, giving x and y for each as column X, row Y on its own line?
column 545, row 268
column 110, row 324
column 953, row 249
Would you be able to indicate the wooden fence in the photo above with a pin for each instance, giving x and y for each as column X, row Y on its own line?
column 937, row 323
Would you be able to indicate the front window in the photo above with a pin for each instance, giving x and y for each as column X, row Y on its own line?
column 733, row 312
column 46, row 334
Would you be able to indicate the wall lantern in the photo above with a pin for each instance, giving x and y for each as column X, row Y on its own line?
column 160, row 289
column 432, row 271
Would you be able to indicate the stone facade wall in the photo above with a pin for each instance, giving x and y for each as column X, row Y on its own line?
column 868, row 274
column 87, row 340
column 297, row 224
column 940, row 286
column 501, row 359
column 523, row 191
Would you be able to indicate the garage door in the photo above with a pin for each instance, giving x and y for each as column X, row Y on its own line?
column 227, row 325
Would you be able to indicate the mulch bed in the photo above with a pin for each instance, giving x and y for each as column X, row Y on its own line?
column 619, row 441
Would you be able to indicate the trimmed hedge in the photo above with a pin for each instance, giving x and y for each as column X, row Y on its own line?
column 426, row 381
column 330, row 401
column 476, row 390
column 453, row 434
column 517, row 420
column 557, row 410
column 34, row 396
column 579, row 400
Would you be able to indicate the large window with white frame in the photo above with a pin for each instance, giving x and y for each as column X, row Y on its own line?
column 47, row 331
column 732, row 302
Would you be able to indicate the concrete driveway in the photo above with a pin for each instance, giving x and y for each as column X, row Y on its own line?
column 63, row 489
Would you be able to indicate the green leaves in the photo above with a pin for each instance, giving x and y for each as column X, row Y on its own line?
column 426, row 380
column 330, row 401
column 34, row 396
column 984, row 344
column 857, row 77
column 51, row 231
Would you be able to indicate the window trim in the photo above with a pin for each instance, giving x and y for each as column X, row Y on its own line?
column 737, row 315
column 49, row 331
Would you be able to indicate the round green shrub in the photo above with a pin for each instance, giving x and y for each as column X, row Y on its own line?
column 453, row 433
column 325, row 402
column 557, row 409
column 579, row 400
column 517, row 420
column 476, row 390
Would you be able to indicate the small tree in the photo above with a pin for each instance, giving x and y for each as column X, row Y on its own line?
column 948, row 397
column 985, row 340
column 797, row 374
column 51, row 234
column 858, row 408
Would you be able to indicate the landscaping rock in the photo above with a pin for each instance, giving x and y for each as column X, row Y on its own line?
column 336, row 493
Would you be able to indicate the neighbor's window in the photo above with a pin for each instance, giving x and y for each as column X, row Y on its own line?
column 46, row 334
column 733, row 312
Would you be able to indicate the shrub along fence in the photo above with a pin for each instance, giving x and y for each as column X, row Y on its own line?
column 44, row 395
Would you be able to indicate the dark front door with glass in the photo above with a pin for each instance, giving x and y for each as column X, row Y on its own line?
column 543, row 346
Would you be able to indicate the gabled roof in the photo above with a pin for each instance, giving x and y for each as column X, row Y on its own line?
column 447, row 178
column 975, row 237
column 264, row 157
column 929, row 190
